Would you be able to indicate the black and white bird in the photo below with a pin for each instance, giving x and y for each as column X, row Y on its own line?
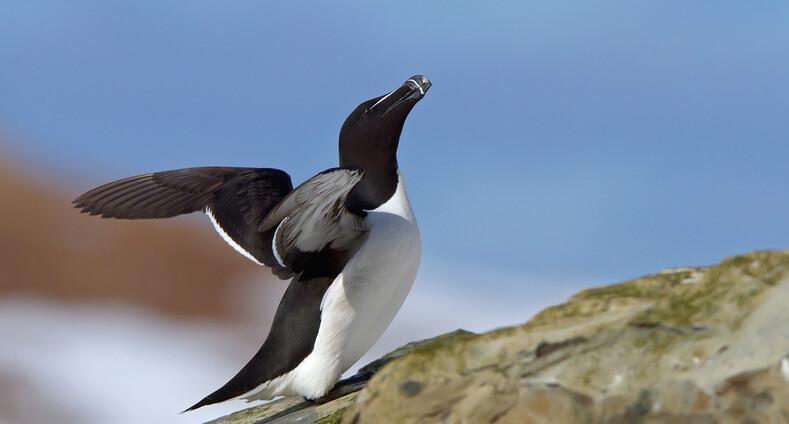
column 347, row 238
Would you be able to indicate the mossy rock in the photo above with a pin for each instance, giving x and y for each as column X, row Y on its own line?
column 616, row 345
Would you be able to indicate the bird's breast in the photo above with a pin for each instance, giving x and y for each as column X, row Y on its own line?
column 372, row 287
column 376, row 289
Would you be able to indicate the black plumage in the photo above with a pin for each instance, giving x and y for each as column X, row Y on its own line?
column 238, row 199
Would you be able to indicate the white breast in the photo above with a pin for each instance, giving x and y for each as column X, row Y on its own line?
column 378, row 278
column 361, row 302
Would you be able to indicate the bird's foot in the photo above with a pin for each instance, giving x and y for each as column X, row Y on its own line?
column 344, row 387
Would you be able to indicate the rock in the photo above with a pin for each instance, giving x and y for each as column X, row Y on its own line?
column 329, row 409
column 292, row 409
column 686, row 345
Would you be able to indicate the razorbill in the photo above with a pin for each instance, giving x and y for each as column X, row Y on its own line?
column 347, row 238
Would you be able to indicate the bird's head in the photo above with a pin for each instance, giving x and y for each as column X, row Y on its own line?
column 371, row 133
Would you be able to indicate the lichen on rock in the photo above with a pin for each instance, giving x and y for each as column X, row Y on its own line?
column 656, row 349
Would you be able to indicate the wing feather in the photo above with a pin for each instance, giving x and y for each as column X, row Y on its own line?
column 313, row 217
column 237, row 198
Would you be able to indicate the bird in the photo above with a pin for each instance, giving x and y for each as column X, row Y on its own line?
column 347, row 239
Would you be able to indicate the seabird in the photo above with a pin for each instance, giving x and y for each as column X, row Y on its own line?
column 347, row 238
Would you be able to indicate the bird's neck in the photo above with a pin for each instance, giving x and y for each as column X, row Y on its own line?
column 378, row 184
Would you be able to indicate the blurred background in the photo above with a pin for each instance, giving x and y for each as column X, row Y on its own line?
column 563, row 145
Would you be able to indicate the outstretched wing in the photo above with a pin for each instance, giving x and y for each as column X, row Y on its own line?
column 236, row 199
column 313, row 220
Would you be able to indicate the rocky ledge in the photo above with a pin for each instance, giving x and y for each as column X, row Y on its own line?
column 686, row 345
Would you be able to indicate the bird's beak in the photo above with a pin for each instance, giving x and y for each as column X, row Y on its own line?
column 413, row 89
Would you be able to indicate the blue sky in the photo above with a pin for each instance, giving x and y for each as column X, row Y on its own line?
column 598, row 139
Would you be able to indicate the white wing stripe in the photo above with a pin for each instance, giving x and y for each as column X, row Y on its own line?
column 229, row 240
column 274, row 244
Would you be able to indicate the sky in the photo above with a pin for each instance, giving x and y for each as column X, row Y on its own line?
column 581, row 140
column 562, row 145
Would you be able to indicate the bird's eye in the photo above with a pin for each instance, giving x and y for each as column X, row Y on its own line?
column 366, row 112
